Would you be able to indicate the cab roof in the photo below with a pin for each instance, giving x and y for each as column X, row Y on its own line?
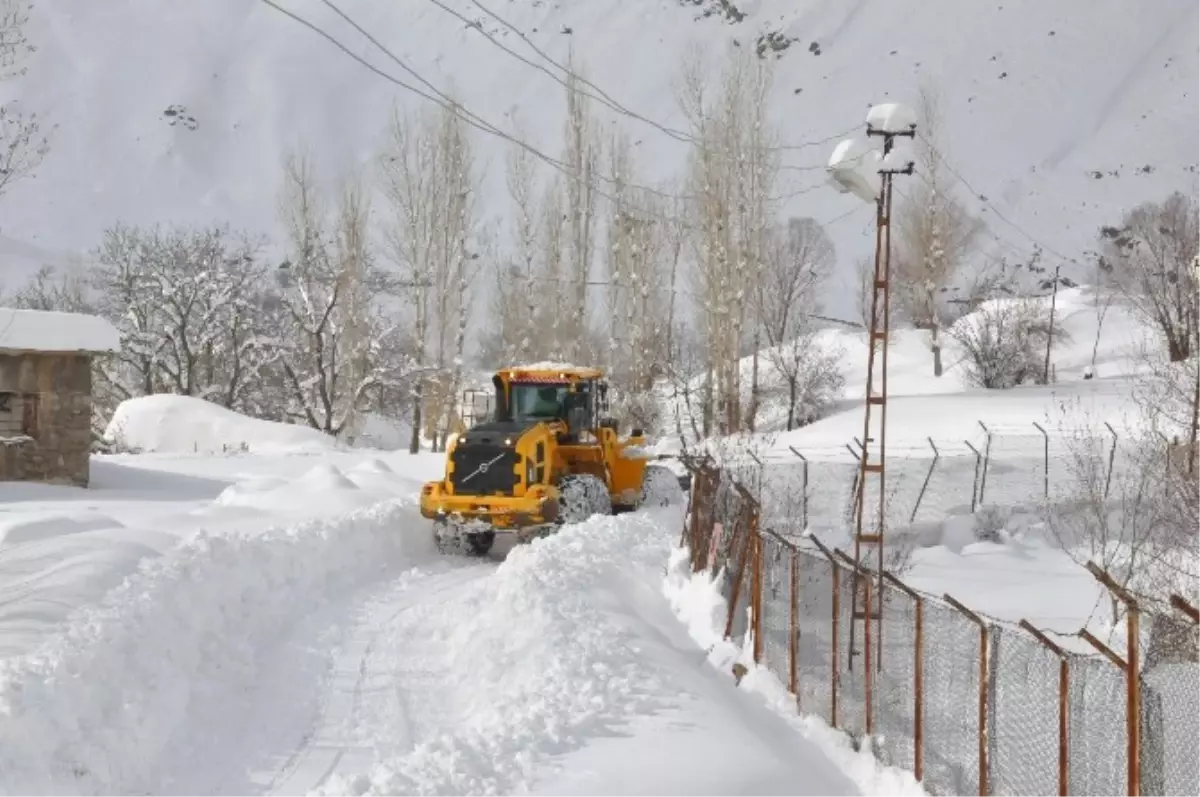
column 549, row 372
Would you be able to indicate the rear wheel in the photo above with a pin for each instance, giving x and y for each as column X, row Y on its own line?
column 580, row 496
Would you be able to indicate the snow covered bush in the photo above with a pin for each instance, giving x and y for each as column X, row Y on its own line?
column 1004, row 342
column 636, row 410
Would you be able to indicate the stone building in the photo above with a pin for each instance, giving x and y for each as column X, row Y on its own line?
column 46, row 393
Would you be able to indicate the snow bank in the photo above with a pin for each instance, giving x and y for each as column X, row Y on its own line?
column 187, row 425
column 697, row 601
column 93, row 710
column 535, row 661
column 37, row 330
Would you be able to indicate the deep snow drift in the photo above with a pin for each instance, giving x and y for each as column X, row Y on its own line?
column 1062, row 114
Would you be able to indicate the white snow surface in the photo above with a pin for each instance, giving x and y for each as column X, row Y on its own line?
column 44, row 331
column 1053, row 111
column 169, row 424
column 892, row 117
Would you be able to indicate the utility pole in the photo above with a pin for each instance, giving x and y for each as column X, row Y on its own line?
column 1050, row 331
column 888, row 122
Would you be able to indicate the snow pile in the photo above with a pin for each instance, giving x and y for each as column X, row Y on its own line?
column 697, row 601
column 186, row 425
column 93, row 711
column 339, row 491
column 533, row 661
column 36, row 330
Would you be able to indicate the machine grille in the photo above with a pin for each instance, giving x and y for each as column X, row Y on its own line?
column 483, row 469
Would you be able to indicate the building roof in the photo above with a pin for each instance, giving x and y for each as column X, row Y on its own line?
column 56, row 333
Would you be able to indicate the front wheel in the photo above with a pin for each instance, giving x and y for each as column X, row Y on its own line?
column 660, row 487
column 580, row 496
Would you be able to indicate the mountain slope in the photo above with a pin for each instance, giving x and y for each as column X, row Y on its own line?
column 1039, row 98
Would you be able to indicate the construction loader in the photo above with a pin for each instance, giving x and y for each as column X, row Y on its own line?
column 548, row 457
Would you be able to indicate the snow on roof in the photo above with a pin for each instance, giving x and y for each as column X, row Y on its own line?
column 43, row 331
column 552, row 366
column 891, row 117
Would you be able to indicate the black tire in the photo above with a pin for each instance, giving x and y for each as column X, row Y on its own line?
column 660, row 487
column 480, row 543
column 581, row 496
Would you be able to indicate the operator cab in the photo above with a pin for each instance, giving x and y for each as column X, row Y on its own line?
column 574, row 398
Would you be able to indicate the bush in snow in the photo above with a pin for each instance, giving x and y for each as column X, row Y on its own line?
column 1004, row 342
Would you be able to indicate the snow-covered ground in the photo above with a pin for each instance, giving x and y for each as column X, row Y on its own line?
column 1062, row 114
column 279, row 622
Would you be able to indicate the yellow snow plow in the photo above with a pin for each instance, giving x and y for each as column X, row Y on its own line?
column 549, row 456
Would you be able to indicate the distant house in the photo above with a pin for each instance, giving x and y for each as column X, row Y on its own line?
column 46, row 393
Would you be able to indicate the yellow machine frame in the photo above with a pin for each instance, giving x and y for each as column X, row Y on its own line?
column 595, row 449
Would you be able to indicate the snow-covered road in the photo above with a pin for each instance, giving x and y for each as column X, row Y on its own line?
column 343, row 656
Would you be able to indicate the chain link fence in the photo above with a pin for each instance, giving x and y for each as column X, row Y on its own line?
column 969, row 705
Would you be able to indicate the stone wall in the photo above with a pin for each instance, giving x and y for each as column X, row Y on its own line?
column 45, row 417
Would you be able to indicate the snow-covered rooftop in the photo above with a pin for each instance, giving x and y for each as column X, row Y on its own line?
column 42, row 331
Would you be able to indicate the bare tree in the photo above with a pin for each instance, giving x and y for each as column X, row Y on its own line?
column 428, row 179
column 22, row 144
column 1153, row 256
column 582, row 158
column 337, row 351
column 733, row 170
column 797, row 261
column 935, row 235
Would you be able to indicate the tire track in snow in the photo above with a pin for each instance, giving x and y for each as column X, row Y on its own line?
column 363, row 668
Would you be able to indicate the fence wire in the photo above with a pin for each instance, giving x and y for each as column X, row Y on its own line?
column 1024, row 727
column 951, row 706
column 1097, row 735
column 815, row 649
column 894, row 698
column 775, row 603
column 808, row 638
column 1170, row 729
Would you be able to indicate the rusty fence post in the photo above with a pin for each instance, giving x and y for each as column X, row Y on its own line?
column 1112, row 455
column 741, row 527
column 1186, row 609
column 756, row 585
column 852, row 507
column 918, row 673
column 1064, row 694
column 834, row 571
column 984, row 766
column 1131, row 665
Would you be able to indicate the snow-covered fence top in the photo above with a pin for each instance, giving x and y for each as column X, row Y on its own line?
column 42, row 331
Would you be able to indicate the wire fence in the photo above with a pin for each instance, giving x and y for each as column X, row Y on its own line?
column 968, row 704
column 1014, row 467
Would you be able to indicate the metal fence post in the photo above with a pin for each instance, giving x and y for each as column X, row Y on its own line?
column 918, row 673
column 1045, row 459
column 987, row 455
column 1064, row 692
column 1112, row 455
column 921, row 495
column 1131, row 665
column 803, row 487
column 794, row 624
column 833, row 669
column 975, row 482
column 984, row 786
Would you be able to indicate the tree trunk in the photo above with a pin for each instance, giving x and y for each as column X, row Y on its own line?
column 791, row 403
column 414, row 445
column 936, row 346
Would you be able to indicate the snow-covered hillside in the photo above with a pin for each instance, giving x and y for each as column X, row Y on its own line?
column 1061, row 114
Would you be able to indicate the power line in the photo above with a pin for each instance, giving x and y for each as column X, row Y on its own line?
column 481, row 124
column 983, row 198
column 604, row 97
